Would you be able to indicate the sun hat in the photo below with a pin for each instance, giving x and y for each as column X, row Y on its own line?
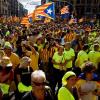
column 66, row 76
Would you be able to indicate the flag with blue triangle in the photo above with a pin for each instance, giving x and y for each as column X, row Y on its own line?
column 50, row 11
column 46, row 10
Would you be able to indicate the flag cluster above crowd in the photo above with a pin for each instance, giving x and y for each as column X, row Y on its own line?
column 47, row 13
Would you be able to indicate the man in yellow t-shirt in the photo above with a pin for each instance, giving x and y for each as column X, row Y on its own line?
column 69, row 55
column 94, row 55
column 82, row 56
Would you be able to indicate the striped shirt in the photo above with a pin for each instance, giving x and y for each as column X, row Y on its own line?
column 69, row 37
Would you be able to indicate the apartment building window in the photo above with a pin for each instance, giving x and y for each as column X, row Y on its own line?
column 5, row 12
column 80, row 12
column 2, row 10
column 57, row 4
column 62, row 4
column 78, row 1
column 88, row 9
column 82, row 1
column 96, row 1
column 88, row 1
column 94, row 10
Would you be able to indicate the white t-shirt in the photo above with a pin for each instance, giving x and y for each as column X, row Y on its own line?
column 88, row 87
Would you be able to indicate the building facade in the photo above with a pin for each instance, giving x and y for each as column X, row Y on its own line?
column 21, row 10
column 11, row 8
column 4, row 5
column 88, row 7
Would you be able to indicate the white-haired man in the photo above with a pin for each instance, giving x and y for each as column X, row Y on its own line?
column 39, row 89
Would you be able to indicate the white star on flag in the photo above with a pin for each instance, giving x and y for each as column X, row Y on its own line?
column 49, row 11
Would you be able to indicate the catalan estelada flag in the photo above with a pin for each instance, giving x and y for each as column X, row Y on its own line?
column 46, row 10
column 65, row 12
column 30, row 17
column 25, row 21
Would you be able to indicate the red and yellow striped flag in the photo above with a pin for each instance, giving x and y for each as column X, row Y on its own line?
column 65, row 10
column 40, row 10
column 25, row 21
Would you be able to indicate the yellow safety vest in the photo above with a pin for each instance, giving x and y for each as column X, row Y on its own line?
column 4, row 88
column 23, row 88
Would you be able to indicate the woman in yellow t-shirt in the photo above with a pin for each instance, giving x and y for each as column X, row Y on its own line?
column 68, row 91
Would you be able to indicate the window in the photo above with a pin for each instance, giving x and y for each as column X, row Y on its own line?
column 5, row 11
column 99, row 9
column 94, row 10
column 88, row 1
column 62, row 4
column 95, row 1
column 82, row 1
column 78, row 1
column 88, row 9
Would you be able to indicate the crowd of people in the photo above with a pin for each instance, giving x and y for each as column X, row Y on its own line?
column 50, row 61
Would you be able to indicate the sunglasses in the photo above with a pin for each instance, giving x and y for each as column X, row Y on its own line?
column 38, row 84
